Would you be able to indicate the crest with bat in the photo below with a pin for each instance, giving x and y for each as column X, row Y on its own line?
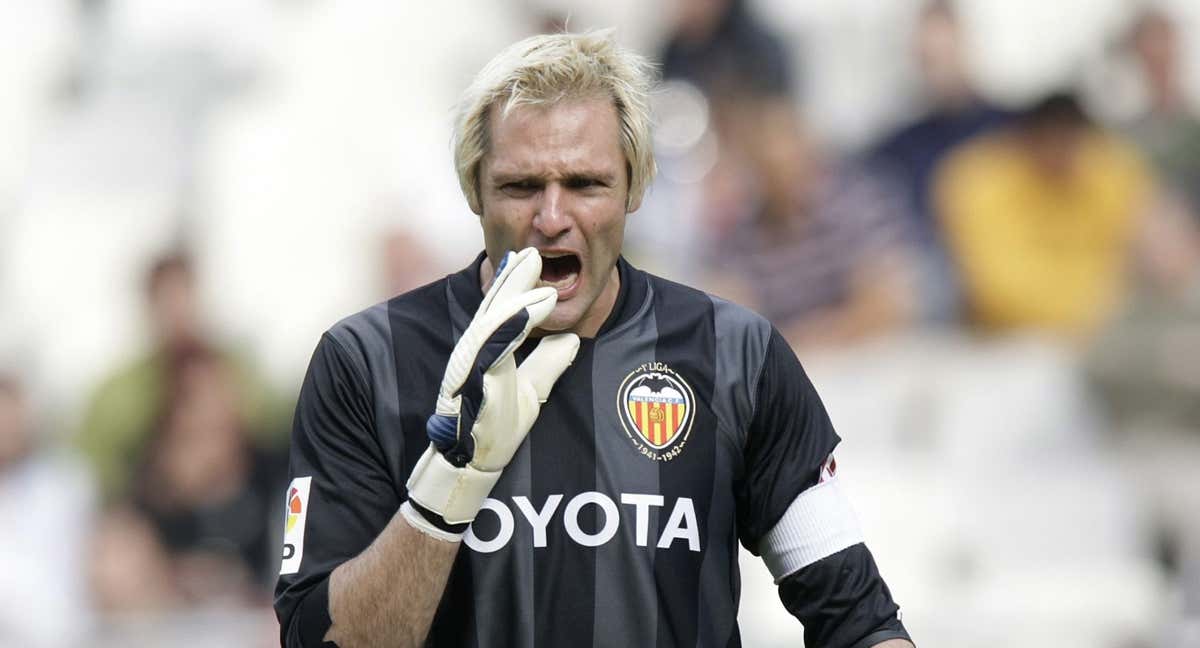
column 656, row 407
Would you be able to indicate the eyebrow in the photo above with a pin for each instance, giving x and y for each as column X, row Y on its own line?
column 505, row 177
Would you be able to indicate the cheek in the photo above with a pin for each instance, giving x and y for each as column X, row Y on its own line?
column 501, row 226
column 606, row 235
column 492, row 229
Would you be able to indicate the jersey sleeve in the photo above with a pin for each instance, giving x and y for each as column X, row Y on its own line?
column 341, row 494
column 792, row 512
column 788, row 441
column 842, row 601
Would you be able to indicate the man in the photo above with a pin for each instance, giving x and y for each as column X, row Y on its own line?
column 723, row 48
column 121, row 412
column 1042, row 219
column 663, row 425
column 821, row 248
column 47, row 494
column 954, row 113
column 1168, row 129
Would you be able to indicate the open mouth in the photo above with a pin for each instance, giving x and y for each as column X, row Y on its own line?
column 560, row 270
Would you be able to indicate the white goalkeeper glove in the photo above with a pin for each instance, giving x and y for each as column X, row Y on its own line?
column 487, row 403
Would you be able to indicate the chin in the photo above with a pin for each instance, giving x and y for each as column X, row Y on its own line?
column 560, row 319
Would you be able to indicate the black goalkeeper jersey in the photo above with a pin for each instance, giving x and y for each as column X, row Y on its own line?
column 684, row 426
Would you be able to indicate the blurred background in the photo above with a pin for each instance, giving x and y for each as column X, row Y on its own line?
column 976, row 221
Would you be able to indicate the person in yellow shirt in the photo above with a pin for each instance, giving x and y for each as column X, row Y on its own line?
column 1041, row 220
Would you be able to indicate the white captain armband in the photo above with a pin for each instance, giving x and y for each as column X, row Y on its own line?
column 819, row 523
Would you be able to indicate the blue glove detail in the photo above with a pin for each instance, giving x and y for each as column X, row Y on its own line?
column 503, row 262
column 442, row 430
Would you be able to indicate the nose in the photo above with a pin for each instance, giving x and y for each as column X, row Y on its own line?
column 552, row 218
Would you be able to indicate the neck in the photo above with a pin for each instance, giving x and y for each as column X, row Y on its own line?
column 958, row 103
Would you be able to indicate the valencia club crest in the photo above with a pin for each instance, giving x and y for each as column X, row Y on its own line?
column 656, row 409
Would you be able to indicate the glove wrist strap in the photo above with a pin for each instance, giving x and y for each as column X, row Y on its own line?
column 456, row 494
column 418, row 519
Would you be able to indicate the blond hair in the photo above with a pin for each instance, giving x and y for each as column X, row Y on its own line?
column 549, row 68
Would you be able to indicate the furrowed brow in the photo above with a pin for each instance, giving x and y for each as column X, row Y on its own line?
column 505, row 177
column 600, row 176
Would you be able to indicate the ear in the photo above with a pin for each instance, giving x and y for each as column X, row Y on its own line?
column 632, row 204
column 475, row 198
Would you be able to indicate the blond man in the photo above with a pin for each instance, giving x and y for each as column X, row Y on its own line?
column 552, row 447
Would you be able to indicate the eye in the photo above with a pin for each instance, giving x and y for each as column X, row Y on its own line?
column 519, row 188
column 583, row 183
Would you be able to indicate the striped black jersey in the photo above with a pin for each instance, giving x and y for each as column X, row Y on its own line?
column 684, row 426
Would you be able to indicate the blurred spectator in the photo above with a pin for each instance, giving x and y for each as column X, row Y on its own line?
column 130, row 572
column 1042, row 218
column 45, row 510
column 212, row 496
column 406, row 262
column 1169, row 129
column 720, row 46
column 1144, row 370
column 954, row 112
column 550, row 21
column 819, row 248
column 121, row 411
column 1143, row 362
column 1137, row 361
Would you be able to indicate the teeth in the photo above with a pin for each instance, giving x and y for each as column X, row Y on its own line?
column 561, row 283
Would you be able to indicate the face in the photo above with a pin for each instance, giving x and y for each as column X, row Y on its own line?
column 1156, row 47
column 699, row 18
column 173, row 307
column 939, row 51
column 784, row 157
column 555, row 178
column 1055, row 149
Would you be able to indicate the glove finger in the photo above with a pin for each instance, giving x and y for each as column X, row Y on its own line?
column 518, row 273
column 457, row 410
column 491, row 337
column 494, row 360
column 547, row 362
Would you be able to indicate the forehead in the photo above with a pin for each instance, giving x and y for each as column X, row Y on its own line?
column 568, row 136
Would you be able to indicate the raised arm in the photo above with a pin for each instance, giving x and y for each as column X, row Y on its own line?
column 353, row 571
column 388, row 560
column 368, row 606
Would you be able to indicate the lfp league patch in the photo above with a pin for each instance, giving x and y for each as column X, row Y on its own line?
column 656, row 406
column 293, row 529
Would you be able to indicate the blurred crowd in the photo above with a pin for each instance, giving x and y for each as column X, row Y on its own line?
column 169, row 497
column 1000, row 303
column 1062, row 246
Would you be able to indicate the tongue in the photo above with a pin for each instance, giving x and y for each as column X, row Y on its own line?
column 555, row 269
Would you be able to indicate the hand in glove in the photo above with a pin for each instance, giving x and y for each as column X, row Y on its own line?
column 487, row 403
